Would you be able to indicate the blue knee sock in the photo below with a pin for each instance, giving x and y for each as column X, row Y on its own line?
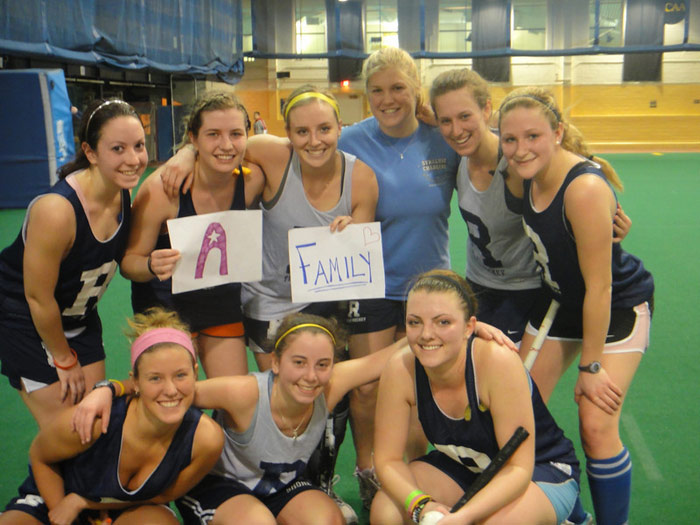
column 578, row 515
column 610, row 481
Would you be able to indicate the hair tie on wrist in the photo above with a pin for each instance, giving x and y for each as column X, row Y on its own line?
column 75, row 361
column 150, row 268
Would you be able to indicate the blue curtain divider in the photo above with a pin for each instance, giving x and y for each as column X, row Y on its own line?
column 193, row 37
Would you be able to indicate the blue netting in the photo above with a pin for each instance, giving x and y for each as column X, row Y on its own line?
column 198, row 37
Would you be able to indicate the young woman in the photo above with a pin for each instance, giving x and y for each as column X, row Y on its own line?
column 606, row 294
column 217, row 129
column 273, row 422
column 501, row 268
column 471, row 395
column 155, row 449
column 54, row 273
column 416, row 175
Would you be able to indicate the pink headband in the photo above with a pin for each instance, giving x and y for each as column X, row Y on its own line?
column 160, row 335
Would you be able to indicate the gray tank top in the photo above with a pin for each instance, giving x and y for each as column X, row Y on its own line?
column 499, row 254
column 263, row 458
column 271, row 298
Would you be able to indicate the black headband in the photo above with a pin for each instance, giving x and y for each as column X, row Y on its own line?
column 544, row 103
column 469, row 300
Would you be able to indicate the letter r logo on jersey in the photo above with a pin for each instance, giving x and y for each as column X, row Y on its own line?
column 94, row 285
column 214, row 238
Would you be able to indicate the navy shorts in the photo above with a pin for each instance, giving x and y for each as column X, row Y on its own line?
column 568, row 323
column 556, row 480
column 23, row 354
column 30, row 502
column 260, row 334
column 507, row 310
column 372, row 315
column 200, row 503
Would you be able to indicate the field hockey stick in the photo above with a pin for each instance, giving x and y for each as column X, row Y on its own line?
column 541, row 334
column 492, row 469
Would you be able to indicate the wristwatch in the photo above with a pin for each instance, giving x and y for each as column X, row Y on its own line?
column 108, row 383
column 593, row 368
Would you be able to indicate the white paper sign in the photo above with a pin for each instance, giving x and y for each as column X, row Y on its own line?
column 327, row 266
column 216, row 248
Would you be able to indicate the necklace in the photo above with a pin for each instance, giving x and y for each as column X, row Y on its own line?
column 295, row 431
column 415, row 134
column 287, row 425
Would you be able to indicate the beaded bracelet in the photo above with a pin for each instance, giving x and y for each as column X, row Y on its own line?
column 418, row 508
column 75, row 361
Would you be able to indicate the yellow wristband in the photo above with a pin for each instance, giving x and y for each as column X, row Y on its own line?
column 121, row 385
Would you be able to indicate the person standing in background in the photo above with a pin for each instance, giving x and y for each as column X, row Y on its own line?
column 259, row 126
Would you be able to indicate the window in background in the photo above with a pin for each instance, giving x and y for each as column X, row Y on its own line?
column 610, row 23
column 529, row 24
column 310, row 17
column 455, row 26
column 381, row 24
column 247, row 26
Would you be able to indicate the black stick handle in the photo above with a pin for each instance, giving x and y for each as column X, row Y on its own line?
column 492, row 469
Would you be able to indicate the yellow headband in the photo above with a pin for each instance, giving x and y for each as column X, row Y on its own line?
column 304, row 325
column 311, row 94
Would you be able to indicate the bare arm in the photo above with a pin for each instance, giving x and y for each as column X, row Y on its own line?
column 395, row 400
column 53, row 444
column 177, row 172
column 590, row 208
column 151, row 208
column 271, row 154
column 357, row 372
column 49, row 237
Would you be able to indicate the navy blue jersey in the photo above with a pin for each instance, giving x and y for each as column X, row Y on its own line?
column 200, row 309
column 94, row 474
column 473, row 442
column 555, row 252
column 84, row 273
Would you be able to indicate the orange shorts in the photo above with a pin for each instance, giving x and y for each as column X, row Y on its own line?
column 222, row 330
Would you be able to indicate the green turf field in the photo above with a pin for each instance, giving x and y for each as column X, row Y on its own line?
column 660, row 422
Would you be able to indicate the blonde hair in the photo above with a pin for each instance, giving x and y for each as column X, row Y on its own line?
column 154, row 317
column 393, row 57
column 455, row 79
column 572, row 140
column 306, row 94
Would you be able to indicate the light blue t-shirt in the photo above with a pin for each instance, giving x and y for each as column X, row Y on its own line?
column 416, row 176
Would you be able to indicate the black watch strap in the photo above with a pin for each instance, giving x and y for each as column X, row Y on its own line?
column 107, row 383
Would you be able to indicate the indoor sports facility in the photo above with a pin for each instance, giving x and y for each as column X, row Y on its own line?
column 626, row 73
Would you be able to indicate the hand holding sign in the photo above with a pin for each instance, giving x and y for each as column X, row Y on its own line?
column 327, row 266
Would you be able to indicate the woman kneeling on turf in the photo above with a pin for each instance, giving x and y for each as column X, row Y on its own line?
column 156, row 448
column 471, row 396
